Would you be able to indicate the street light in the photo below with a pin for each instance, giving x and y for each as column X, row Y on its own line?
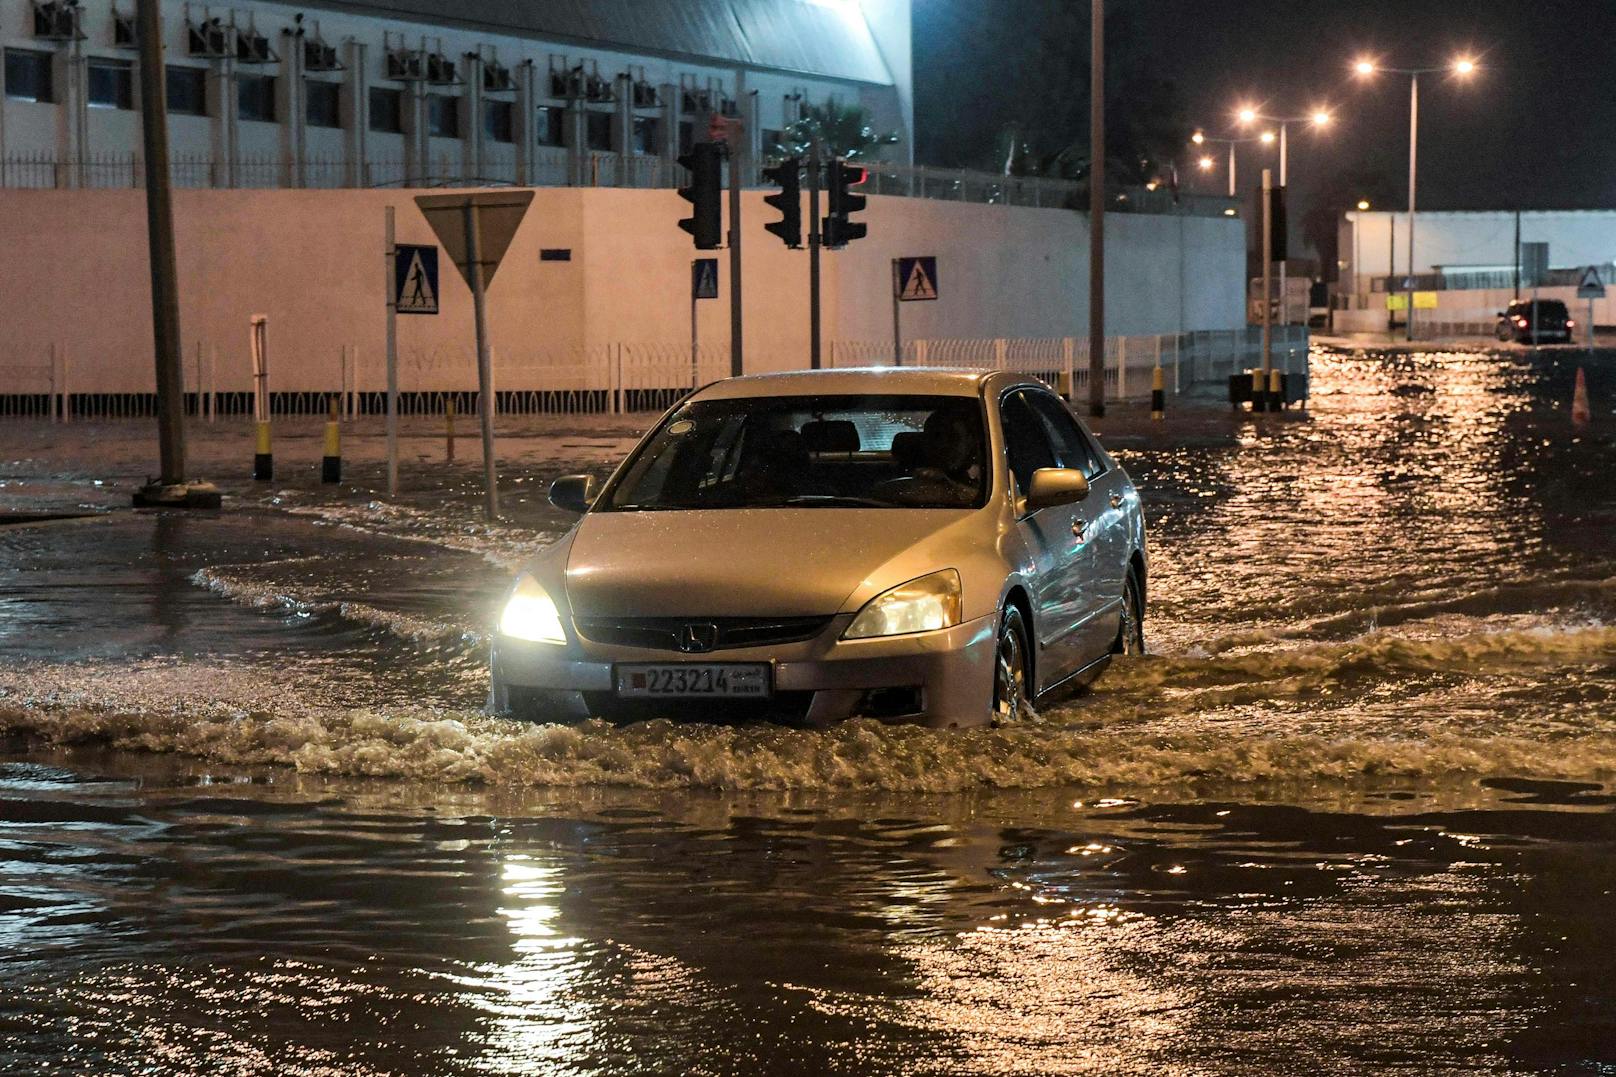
column 1247, row 115
column 1205, row 163
column 1363, row 204
column 1460, row 66
column 1201, row 138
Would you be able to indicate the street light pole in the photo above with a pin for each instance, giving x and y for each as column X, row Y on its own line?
column 1097, row 209
column 1231, row 169
column 160, row 238
column 1413, row 145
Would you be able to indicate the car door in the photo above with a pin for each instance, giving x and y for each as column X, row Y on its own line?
column 1105, row 524
column 1055, row 538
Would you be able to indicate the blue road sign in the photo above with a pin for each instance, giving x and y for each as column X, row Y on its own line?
column 704, row 278
column 916, row 279
column 415, row 271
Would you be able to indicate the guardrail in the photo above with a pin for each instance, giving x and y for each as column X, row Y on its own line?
column 639, row 376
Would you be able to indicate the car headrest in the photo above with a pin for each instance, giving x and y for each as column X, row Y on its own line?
column 830, row 435
column 909, row 449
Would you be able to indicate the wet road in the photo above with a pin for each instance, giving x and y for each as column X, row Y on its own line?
column 1349, row 815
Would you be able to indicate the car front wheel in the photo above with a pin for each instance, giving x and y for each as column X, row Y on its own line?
column 1131, row 629
column 1011, row 684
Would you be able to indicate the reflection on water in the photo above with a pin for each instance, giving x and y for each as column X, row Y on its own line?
column 367, row 928
column 253, row 819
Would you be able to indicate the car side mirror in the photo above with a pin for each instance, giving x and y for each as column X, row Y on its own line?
column 574, row 493
column 1052, row 486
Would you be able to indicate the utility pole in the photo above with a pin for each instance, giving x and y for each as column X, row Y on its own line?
column 1413, row 141
column 736, row 164
column 1097, row 208
column 390, row 258
column 813, row 256
column 170, row 488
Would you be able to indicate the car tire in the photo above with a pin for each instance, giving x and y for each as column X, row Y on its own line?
column 1011, row 669
column 1131, row 626
column 1503, row 332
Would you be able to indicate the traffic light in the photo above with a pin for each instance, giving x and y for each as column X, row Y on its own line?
column 788, row 200
column 840, row 176
column 705, row 223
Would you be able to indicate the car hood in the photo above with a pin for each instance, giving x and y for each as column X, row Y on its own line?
column 748, row 562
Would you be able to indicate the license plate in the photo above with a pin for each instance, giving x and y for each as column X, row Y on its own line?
column 686, row 680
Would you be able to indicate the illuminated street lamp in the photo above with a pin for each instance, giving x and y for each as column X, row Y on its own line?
column 1201, row 138
column 1247, row 116
column 1460, row 67
column 1363, row 204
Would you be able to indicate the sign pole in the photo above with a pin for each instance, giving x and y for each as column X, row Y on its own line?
column 390, row 256
column 695, row 351
column 1267, row 286
column 485, row 366
column 813, row 257
column 897, row 335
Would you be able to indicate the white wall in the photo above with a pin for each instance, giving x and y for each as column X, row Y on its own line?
column 75, row 274
column 1575, row 238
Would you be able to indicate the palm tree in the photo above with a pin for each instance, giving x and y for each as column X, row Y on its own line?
column 838, row 130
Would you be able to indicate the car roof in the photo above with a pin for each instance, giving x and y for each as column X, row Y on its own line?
column 903, row 381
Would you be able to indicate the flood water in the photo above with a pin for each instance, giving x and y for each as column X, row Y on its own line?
column 1352, row 813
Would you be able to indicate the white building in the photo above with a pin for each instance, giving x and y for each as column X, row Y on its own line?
column 364, row 93
column 1470, row 243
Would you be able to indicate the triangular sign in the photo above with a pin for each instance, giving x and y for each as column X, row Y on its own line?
column 919, row 285
column 416, row 292
column 495, row 216
column 1591, row 287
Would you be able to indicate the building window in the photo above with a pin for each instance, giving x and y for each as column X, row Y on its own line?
column 443, row 116
column 552, row 126
column 323, row 103
column 187, row 90
column 386, row 110
column 646, row 129
column 28, row 76
column 256, row 97
column 112, row 84
column 497, row 121
column 598, row 130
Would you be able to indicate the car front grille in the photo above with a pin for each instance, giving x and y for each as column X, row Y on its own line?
column 727, row 633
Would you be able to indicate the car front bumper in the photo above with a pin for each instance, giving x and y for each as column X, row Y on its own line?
column 949, row 673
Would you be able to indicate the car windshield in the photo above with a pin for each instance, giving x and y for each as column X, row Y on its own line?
column 876, row 451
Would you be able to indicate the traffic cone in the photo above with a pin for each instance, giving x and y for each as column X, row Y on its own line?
column 1581, row 414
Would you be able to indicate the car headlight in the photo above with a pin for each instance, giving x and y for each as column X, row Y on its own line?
column 922, row 605
column 531, row 614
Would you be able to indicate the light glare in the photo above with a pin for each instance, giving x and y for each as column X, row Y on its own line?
column 1364, row 67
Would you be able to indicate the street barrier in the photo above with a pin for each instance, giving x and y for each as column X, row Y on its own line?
column 331, row 461
column 638, row 377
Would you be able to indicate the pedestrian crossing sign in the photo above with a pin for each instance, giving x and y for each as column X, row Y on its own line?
column 915, row 278
column 415, row 274
column 704, row 278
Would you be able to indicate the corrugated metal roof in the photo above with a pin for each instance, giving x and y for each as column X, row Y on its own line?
column 816, row 37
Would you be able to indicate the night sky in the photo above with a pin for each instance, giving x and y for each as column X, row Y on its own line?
column 1535, row 128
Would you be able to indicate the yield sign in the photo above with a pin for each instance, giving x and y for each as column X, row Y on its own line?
column 492, row 215
column 916, row 279
column 1591, row 287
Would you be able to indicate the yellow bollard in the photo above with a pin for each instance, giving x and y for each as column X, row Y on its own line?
column 1276, row 391
column 331, row 462
column 263, row 460
column 1259, row 398
column 1158, row 395
column 448, row 429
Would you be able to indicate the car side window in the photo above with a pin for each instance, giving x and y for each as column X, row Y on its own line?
column 1026, row 439
column 1073, row 448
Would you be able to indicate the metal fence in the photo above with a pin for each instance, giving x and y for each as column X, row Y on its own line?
column 549, row 166
column 638, row 377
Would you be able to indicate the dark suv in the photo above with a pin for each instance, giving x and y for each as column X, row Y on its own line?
column 1535, row 321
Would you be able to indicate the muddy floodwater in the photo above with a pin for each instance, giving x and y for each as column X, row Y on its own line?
column 1353, row 814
